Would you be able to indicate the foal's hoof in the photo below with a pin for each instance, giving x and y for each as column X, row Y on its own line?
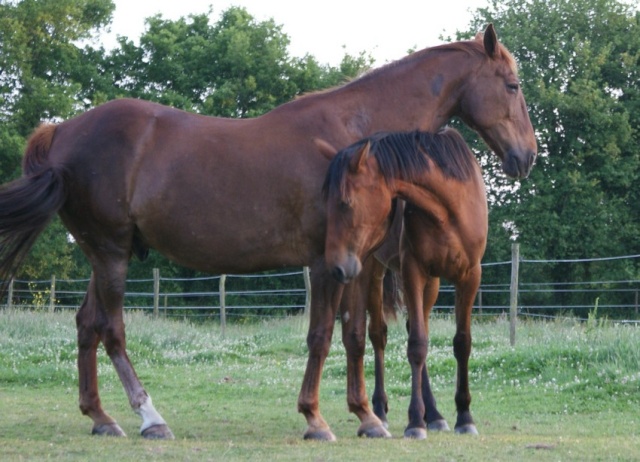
column 467, row 429
column 319, row 435
column 378, row 431
column 158, row 432
column 110, row 429
column 439, row 425
column 416, row 433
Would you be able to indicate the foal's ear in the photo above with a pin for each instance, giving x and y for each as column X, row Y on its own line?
column 490, row 41
column 359, row 158
column 325, row 148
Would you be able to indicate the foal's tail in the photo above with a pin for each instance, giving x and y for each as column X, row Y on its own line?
column 28, row 204
column 391, row 294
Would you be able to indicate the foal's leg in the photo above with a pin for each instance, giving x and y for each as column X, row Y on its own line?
column 466, row 290
column 378, row 338
column 104, row 315
column 432, row 416
column 365, row 290
column 414, row 282
column 325, row 298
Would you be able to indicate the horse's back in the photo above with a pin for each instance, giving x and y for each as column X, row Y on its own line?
column 211, row 193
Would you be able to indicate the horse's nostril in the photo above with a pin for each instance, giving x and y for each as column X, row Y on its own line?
column 339, row 274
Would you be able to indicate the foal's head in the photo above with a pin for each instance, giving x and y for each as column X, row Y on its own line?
column 364, row 178
column 358, row 203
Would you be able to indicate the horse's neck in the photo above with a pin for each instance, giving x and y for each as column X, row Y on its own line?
column 430, row 201
column 418, row 92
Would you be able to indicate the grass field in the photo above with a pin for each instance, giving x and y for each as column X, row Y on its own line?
column 567, row 391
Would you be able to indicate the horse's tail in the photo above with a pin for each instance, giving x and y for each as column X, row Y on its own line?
column 391, row 294
column 28, row 204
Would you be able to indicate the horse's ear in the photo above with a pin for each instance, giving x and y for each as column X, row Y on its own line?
column 490, row 41
column 325, row 148
column 359, row 158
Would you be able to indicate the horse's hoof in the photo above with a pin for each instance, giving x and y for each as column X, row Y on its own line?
column 319, row 435
column 157, row 432
column 467, row 429
column 439, row 425
column 416, row 433
column 110, row 429
column 378, row 431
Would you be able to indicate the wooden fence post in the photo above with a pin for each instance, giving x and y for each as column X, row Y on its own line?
column 156, row 292
column 480, row 301
column 223, row 303
column 636, row 304
column 52, row 295
column 513, row 311
column 10, row 294
column 307, row 286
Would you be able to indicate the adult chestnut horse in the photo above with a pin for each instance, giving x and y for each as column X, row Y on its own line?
column 233, row 196
column 444, row 234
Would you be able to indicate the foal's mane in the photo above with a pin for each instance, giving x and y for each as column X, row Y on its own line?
column 406, row 156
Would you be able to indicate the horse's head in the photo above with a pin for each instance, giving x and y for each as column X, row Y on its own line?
column 492, row 103
column 358, row 203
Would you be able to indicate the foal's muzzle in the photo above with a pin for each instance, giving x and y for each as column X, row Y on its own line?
column 345, row 271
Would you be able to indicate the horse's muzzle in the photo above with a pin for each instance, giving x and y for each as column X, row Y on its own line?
column 345, row 272
column 518, row 164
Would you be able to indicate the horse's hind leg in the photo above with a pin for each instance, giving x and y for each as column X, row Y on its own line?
column 103, row 314
column 88, row 341
column 465, row 295
column 432, row 417
column 378, row 338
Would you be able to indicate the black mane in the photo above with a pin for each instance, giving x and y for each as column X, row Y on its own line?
column 406, row 155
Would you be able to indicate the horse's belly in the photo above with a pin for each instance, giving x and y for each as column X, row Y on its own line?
column 228, row 245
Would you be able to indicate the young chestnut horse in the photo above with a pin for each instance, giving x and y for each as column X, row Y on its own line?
column 237, row 196
column 444, row 235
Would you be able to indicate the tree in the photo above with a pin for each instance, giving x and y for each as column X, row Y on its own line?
column 39, row 57
column 237, row 67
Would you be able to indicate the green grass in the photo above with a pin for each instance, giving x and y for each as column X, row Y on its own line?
column 567, row 391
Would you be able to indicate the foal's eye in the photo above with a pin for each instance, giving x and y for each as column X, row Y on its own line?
column 344, row 206
column 513, row 87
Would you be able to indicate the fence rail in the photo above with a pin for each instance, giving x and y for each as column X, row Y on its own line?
column 283, row 294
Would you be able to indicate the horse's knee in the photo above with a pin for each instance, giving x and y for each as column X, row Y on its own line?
column 354, row 342
column 319, row 342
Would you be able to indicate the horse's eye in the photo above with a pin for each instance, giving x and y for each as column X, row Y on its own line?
column 344, row 206
column 513, row 87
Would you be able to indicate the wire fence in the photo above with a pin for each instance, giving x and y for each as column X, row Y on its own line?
column 543, row 290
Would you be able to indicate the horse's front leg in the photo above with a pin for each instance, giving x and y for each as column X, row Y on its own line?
column 466, row 290
column 362, row 294
column 414, row 282
column 325, row 299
